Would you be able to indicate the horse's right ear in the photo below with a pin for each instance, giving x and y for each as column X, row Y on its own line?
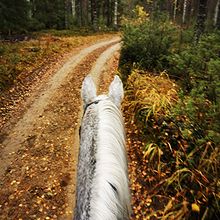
column 88, row 92
column 116, row 91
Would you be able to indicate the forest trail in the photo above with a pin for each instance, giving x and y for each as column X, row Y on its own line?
column 39, row 152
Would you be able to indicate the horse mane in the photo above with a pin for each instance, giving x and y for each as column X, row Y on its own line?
column 102, row 178
column 110, row 196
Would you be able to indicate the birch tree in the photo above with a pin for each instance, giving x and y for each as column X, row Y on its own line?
column 115, row 13
column 73, row 5
column 29, row 9
column 175, row 9
column 13, row 16
column 184, row 11
column 217, row 15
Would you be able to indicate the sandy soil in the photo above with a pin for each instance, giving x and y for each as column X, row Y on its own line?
column 39, row 149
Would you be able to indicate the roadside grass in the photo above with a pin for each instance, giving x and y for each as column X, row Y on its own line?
column 151, row 95
column 174, row 170
column 21, row 58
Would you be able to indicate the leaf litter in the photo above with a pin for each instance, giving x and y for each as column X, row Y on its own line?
column 39, row 183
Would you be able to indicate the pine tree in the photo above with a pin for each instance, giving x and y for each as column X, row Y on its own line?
column 13, row 16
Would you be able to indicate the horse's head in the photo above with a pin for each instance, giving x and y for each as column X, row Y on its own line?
column 115, row 94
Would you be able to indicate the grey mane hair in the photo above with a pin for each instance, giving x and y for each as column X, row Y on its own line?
column 102, row 178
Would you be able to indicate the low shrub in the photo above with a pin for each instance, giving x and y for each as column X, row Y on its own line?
column 197, row 67
column 146, row 45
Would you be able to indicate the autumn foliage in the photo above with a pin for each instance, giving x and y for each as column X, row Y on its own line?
column 172, row 176
column 172, row 115
column 23, row 59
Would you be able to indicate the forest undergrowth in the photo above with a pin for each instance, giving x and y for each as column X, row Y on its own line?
column 171, row 178
column 172, row 113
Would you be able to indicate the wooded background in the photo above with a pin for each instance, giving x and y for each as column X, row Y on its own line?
column 33, row 15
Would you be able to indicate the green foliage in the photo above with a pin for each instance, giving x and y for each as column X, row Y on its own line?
column 198, row 66
column 147, row 45
column 201, row 118
column 182, row 134
column 22, row 16
column 35, row 25
column 182, row 143
column 50, row 13
column 13, row 16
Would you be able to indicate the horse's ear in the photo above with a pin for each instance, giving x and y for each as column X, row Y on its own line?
column 116, row 92
column 88, row 92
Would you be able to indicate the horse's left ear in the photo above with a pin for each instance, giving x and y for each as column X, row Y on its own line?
column 116, row 91
column 88, row 92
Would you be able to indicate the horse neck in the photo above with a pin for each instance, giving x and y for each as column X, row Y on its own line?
column 110, row 192
column 102, row 172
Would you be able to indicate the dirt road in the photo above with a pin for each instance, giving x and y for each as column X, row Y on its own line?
column 39, row 152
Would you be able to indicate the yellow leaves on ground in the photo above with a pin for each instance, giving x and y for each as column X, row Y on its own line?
column 195, row 207
column 19, row 60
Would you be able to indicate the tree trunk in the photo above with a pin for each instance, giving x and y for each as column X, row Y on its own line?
column 79, row 13
column 201, row 18
column 83, row 4
column 218, row 18
column 108, row 8
column 94, row 14
column 104, row 12
column 73, row 5
column 175, row 9
column 29, row 9
column 184, row 11
column 116, row 14
column 217, row 15
column 85, row 12
column 66, row 15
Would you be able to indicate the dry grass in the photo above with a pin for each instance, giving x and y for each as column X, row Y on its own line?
column 173, row 175
column 150, row 95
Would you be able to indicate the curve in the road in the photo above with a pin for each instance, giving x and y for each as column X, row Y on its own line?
column 22, row 128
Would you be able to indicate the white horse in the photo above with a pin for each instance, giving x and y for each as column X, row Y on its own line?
column 102, row 178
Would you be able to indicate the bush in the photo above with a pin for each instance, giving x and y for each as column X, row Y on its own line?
column 146, row 45
column 198, row 66
column 181, row 134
